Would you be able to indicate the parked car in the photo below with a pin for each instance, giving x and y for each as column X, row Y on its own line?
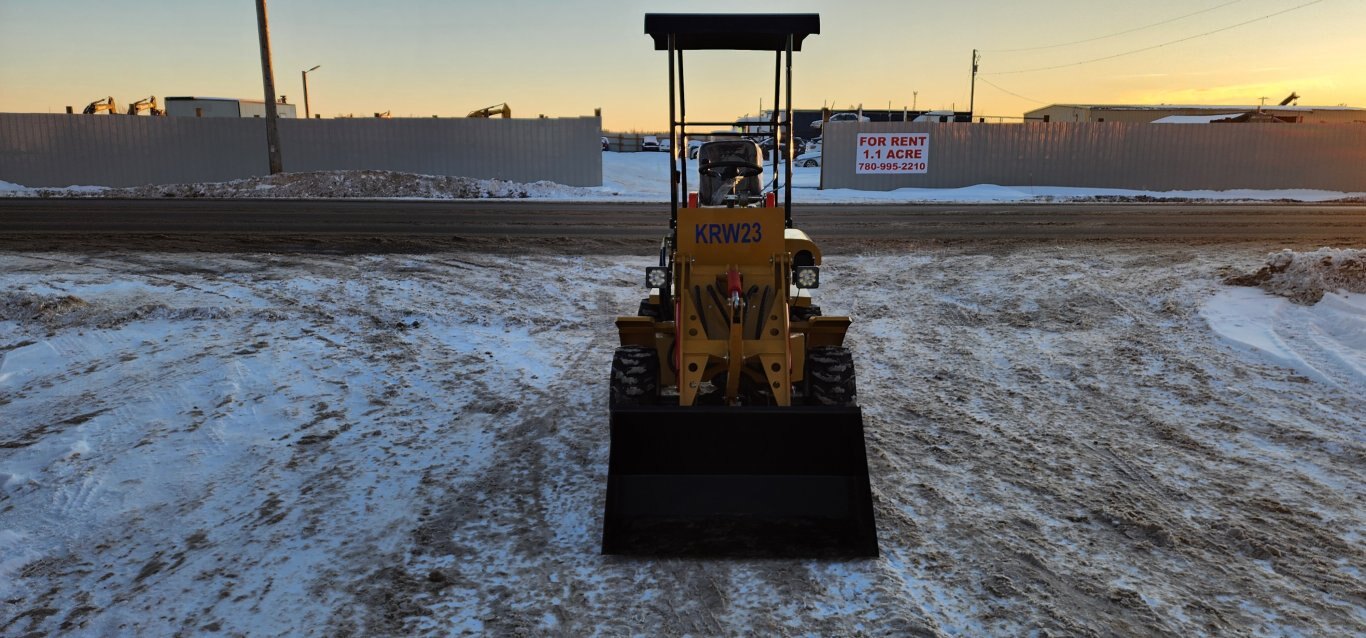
column 842, row 117
column 936, row 116
column 808, row 160
column 650, row 143
column 693, row 145
column 766, row 146
column 665, row 145
column 848, row 117
column 605, row 145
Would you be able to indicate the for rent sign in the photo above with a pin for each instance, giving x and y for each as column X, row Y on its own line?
column 893, row 153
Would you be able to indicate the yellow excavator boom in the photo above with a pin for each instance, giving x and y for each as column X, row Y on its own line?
column 148, row 104
column 101, row 106
column 490, row 111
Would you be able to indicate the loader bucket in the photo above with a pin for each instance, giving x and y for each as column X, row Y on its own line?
column 738, row 481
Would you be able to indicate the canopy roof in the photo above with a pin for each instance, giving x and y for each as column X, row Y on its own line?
column 736, row 31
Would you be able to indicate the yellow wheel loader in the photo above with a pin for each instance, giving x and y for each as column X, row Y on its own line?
column 735, row 427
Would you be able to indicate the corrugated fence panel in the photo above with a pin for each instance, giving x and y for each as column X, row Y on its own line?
column 1115, row 155
column 565, row 151
column 107, row 150
column 42, row 150
column 62, row 150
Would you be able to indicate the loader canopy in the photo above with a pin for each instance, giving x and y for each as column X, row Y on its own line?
column 731, row 31
column 781, row 33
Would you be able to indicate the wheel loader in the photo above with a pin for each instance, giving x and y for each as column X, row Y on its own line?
column 735, row 427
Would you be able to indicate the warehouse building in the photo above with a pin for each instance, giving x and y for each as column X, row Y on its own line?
column 1147, row 113
column 224, row 107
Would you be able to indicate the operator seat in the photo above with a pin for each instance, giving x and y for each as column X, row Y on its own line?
column 731, row 173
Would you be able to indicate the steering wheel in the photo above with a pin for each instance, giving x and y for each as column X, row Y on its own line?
column 742, row 168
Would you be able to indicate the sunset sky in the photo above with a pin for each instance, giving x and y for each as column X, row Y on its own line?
column 447, row 57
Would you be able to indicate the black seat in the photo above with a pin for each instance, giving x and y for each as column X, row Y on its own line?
column 731, row 173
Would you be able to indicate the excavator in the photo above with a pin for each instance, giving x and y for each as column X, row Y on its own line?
column 148, row 104
column 490, row 111
column 735, row 428
column 102, row 106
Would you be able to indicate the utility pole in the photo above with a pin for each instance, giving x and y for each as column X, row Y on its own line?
column 268, row 78
column 972, row 93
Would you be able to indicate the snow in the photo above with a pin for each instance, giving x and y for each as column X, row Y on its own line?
column 1064, row 440
column 1325, row 342
column 1308, row 313
column 1304, row 277
column 1195, row 119
column 13, row 554
column 641, row 177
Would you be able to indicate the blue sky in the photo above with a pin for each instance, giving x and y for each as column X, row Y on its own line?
column 427, row 57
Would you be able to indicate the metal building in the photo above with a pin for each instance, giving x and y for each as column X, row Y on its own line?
column 223, row 107
column 1146, row 113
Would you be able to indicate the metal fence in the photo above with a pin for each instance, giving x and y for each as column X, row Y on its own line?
column 63, row 150
column 1158, row 157
column 630, row 142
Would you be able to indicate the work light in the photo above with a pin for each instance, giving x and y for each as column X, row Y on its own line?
column 807, row 276
column 656, row 277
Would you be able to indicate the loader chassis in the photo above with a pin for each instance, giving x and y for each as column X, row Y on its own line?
column 735, row 426
column 710, row 339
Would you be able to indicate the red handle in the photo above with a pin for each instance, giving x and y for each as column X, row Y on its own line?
column 733, row 282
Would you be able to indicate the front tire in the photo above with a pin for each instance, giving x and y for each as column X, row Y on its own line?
column 635, row 376
column 804, row 313
column 830, row 377
column 650, row 310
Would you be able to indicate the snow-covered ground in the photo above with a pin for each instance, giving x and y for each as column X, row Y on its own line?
column 1325, row 342
column 1078, row 440
column 640, row 177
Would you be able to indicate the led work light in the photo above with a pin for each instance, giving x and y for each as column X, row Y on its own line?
column 656, row 277
column 807, row 276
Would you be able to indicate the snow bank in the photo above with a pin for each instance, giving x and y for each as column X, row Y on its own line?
column 640, row 177
column 1305, row 277
column 1309, row 314
column 321, row 184
column 1325, row 342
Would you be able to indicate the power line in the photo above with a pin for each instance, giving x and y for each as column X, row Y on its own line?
column 1158, row 46
column 1102, row 37
column 1027, row 99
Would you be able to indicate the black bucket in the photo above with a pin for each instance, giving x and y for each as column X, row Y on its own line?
column 738, row 481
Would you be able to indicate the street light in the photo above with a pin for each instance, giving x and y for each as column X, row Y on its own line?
column 307, row 114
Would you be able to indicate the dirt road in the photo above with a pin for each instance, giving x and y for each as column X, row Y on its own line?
column 394, row 225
